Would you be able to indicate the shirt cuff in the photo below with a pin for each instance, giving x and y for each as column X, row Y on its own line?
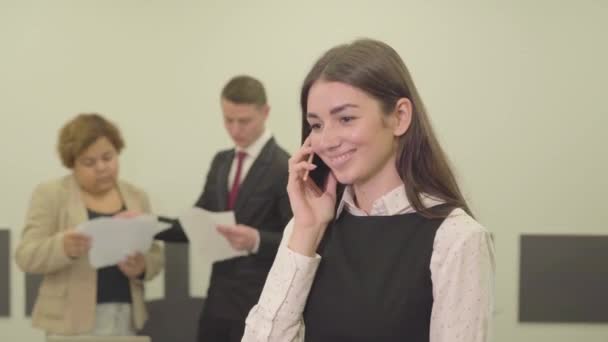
column 256, row 245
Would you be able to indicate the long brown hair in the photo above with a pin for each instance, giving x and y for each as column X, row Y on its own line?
column 376, row 68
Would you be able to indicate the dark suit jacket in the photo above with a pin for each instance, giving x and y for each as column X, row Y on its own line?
column 262, row 203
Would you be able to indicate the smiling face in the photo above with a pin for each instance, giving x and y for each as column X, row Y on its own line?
column 96, row 168
column 352, row 135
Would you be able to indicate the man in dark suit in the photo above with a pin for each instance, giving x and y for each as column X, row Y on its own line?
column 250, row 179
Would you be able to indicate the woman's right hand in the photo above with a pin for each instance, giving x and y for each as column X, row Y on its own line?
column 76, row 244
column 312, row 208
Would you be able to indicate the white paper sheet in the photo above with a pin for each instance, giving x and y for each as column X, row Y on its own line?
column 207, row 244
column 113, row 239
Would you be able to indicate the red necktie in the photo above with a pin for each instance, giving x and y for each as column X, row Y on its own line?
column 237, row 179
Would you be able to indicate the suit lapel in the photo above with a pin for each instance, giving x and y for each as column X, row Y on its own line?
column 222, row 180
column 254, row 176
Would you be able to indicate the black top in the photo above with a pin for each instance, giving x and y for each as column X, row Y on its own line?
column 112, row 284
column 374, row 281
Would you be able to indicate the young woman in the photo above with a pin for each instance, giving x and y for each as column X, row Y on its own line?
column 388, row 251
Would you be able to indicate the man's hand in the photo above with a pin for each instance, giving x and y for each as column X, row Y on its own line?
column 240, row 236
column 133, row 266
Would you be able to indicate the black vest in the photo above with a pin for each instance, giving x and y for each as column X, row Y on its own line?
column 374, row 281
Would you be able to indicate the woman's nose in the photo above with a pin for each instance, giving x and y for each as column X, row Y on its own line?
column 101, row 165
column 330, row 138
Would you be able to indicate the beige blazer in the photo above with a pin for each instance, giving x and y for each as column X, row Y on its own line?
column 68, row 294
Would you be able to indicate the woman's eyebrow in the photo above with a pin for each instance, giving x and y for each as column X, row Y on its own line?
column 333, row 111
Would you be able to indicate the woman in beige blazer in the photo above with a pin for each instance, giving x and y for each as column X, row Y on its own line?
column 74, row 298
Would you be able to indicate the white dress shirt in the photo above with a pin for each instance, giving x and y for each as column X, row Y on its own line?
column 462, row 272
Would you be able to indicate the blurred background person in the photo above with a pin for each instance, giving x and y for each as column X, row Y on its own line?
column 74, row 298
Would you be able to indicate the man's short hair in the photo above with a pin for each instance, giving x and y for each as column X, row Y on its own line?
column 244, row 89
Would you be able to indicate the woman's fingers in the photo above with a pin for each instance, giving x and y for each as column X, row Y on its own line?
column 302, row 153
column 300, row 162
column 296, row 174
column 312, row 188
column 76, row 244
column 301, row 167
column 300, row 156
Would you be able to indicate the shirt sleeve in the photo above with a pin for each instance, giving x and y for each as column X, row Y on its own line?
column 462, row 272
column 278, row 315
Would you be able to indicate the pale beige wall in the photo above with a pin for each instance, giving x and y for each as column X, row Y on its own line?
column 515, row 89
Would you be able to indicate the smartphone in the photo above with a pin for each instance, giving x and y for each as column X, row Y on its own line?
column 319, row 175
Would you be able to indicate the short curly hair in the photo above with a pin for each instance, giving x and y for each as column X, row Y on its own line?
column 81, row 132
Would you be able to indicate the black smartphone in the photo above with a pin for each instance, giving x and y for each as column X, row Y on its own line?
column 319, row 175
